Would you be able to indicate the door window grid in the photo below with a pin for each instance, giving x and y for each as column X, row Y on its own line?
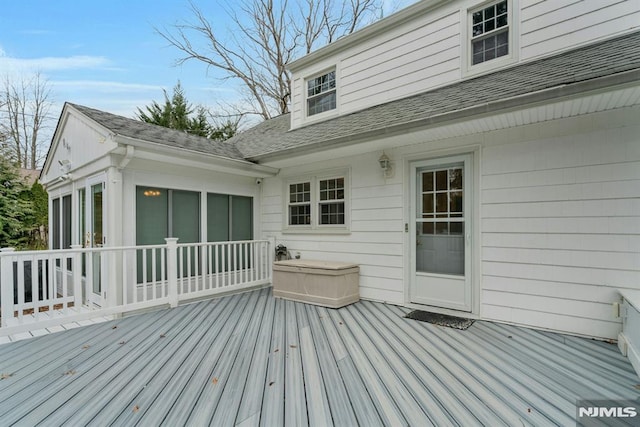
column 442, row 195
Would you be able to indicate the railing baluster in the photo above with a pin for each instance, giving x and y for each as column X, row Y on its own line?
column 216, row 270
column 125, row 281
column 245, row 264
column 144, row 275
column 153, row 273
column 209, row 266
column 163, row 273
column 190, row 287
column 227, row 265
column 64, row 263
column 20, row 270
column 34, row 284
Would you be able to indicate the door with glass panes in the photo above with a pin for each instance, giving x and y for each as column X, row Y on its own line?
column 440, row 232
column 92, row 223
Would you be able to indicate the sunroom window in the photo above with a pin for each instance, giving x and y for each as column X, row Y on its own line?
column 490, row 32
column 321, row 93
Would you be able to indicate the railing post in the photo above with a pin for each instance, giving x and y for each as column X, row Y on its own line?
column 77, row 276
column 6, row 283
column 271, row 254
column 172, row 270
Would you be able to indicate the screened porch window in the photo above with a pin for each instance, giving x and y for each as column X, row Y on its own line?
column 162, row 213
column 229, row 217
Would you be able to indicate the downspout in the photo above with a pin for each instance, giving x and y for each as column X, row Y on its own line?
column 128, row 155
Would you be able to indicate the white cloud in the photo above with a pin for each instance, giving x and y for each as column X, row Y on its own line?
column 105, row 86
column 52, row 63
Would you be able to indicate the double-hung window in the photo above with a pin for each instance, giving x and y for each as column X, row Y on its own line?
column 300, row 203
column 321, row 93
column 331, row 204
column 490, row 32
column 317, row 203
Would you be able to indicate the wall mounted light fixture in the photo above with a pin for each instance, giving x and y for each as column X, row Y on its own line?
column 385, row 164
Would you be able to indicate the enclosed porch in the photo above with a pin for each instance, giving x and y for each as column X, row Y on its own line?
column 251, row 359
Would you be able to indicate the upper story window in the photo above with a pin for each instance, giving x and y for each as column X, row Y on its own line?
column 489, row 32
column 321, row 93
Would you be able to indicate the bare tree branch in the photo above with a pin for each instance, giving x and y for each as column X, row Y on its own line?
column 262, row 38
column 26, row 104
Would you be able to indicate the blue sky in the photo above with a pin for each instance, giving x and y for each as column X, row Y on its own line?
column 106, row 54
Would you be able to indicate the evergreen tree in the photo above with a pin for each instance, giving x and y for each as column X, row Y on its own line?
column 36, row 222
column 15, row 208
column 178, row 113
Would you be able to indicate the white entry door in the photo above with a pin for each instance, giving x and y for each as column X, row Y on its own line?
column 440, row 230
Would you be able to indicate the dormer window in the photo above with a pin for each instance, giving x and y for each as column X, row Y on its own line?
column 321, row 93
column 490, row 32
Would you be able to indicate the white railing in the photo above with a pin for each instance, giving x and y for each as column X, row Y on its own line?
column 44, row 288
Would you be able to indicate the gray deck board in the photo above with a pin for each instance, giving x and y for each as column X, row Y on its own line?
column 250, row 359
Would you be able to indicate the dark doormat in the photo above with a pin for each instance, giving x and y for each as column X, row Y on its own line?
column 440, row 319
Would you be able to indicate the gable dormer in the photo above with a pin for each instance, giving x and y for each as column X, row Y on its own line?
column 432, row 44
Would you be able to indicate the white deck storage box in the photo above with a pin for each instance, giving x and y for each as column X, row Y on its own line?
column 331, row 284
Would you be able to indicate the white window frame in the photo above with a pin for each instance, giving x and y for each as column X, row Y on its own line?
column 59, row 226
column 468, row 69
column 315, row 203
column 306, row 97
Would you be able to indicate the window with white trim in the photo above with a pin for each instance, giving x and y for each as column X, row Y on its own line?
column 490, row 26
column 300, row 203
column 321, row 93
column 331, row 204
column 317, row 202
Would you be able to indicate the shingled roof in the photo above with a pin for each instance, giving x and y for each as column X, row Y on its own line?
column 160, row 135
column 565, row 70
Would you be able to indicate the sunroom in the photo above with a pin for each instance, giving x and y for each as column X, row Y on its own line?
column 127, row 199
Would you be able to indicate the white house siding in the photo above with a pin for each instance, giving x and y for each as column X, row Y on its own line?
column 559, row 219
column 376, row 239
column 81, row 142
column 426, row 53
column 561, row 226
column 404, row 63
column 549, row 26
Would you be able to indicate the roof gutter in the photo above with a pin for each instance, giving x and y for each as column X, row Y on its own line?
column 235, row 164
column 618, row 80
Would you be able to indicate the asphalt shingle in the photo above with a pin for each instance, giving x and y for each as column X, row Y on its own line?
column 600, row 59
column 160, row 135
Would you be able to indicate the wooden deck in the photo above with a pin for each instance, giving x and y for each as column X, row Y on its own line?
column 250, row 359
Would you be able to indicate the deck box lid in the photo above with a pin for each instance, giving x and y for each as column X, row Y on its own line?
column 314, row 264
